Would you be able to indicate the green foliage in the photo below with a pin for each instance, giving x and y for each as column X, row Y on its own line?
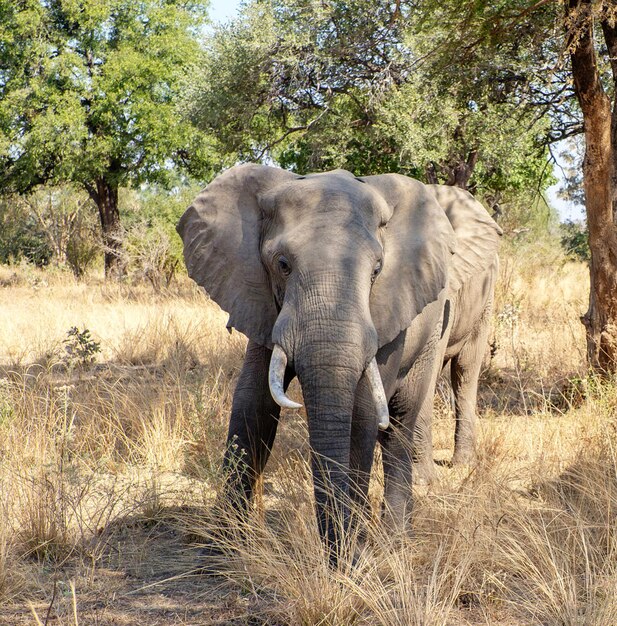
column 154, row 207
column 153, row 250
column 79, row 347
column 575, row 240
column 372, row 87
column 21, row 236
column 89, row 90
column 27, row 243
column 296, row 80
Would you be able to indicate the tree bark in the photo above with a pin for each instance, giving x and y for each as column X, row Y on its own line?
column 462, row 171
column 457, row 171
column 599, row 180
column 105, row 196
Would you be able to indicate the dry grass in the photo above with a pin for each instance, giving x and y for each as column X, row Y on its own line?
column 108, row 473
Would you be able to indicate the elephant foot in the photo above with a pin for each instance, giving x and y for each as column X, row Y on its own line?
column 423, row 473
column 463, row 457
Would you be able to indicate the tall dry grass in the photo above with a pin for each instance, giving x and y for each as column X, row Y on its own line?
column 112, row 468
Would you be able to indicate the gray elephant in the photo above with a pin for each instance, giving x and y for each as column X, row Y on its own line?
column 344, row 283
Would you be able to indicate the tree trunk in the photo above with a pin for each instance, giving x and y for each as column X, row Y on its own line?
column 105, row 196
column 457, row 171
column 599, row 178
column 462, row 171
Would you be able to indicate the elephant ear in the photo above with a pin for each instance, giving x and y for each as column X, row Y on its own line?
column 221, row 232
column 418, row 248
column 477, row 234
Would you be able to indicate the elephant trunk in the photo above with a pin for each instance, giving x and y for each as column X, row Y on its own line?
column 329, row 390
column 326, row 331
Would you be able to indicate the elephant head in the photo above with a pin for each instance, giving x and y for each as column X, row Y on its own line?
column 323, row 269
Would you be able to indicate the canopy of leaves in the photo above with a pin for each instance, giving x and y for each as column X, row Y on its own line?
column 89, row 88
column 371, row 87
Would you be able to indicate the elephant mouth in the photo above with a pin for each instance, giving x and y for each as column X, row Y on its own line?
column 276, row 376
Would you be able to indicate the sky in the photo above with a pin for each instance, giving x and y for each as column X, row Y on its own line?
column 223, row 10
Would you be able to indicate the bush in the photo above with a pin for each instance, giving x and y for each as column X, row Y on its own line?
column 575, row 240
column 151, row 254
column 21, row 238
column 152, row 247
column 80, row 348
column 82, row 250
column 51, row 223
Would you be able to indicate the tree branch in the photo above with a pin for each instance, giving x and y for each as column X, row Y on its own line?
column 290, row 131
column 610, row 36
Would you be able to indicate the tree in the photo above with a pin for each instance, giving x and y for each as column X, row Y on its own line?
column 575, row 97
column 357, row 84
column 88, row 95
column 587, row 24
column 465, row 92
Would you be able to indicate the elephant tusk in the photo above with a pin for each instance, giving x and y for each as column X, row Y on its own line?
column 376, row 384
column 276, row 376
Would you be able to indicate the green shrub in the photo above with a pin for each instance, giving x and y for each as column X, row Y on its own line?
column 79, row 347
column 22, row 240
column 575, row 240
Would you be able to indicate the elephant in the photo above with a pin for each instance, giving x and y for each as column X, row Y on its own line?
column 346, row 283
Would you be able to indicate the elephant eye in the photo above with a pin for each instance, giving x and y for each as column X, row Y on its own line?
column 376, row 271
column 284, row 265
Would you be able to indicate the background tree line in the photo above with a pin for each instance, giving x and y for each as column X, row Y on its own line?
column 98, row 97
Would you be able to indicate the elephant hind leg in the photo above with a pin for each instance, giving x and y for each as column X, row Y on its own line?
column 422, row 451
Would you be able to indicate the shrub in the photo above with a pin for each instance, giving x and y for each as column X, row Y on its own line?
column 79, row 347
column 21, row 238
column 575, row 240
column 151, row 254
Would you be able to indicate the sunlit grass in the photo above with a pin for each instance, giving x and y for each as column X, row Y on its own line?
column 113, row 467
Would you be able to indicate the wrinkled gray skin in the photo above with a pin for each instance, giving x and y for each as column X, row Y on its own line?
column 336, row 270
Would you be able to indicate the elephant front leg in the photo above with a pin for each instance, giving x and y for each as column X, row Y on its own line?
column 252, row 427
column 465, row 372
column 397, row 469
column 413, row 401
column 364, row 427
column 423, row 464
